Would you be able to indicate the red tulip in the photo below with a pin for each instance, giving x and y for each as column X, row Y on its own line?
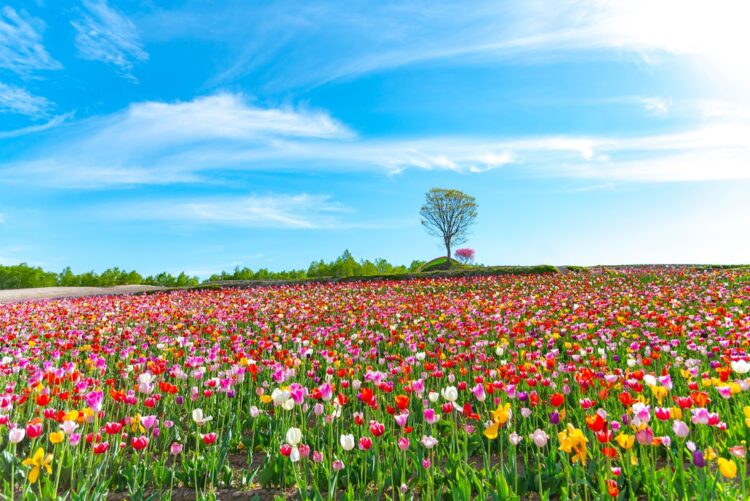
column 365, row 443
column 112, row 428
column 557, row 399
column 139, row 443
column 376, row 428
column 101, row 448
column 34, row 430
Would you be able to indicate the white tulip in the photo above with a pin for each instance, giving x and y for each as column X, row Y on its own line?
column 740, row 367
column 199, row 418
column 347, row 442
column 539, row 437
column 279, row 396
column 16, row 435
column 294, row 436
column 68, row 427
column 450, row 393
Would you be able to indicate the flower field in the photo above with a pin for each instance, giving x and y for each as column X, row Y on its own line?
column 613, row 384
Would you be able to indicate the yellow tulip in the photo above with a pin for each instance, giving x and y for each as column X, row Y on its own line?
column 56, row 437
column 625, row 441
column 572, row 441
column 491, row 431
column 71, row 416
column 37, row 462
column 659, row 392
column 727, row 467
column 675, row 413
column 88, row 415
column 135, row 424
column 501, row 414
column 566, row 445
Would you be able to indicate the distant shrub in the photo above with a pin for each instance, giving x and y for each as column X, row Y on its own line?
column 465, row 255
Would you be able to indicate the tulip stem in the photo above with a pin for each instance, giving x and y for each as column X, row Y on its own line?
column 195, row 461
column 13, row 473
column 539, row 472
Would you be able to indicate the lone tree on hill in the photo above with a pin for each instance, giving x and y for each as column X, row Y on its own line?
column 448, row 214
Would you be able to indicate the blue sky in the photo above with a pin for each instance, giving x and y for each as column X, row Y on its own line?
column 201, row 135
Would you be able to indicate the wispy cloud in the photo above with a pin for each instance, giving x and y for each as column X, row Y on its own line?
column 17, row 100
column 325, row 41
column 723, row 110
column 165, row 143
column 198, row 141
column 712, row 165
column 2, row 218
column 302, row 211
column 32, row 129
column 104, row 34
column 21, row 47
column 656, row 106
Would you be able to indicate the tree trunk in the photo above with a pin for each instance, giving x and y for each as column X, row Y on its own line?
column 448, row 250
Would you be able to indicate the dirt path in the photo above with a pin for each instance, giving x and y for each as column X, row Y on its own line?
column 13, row 295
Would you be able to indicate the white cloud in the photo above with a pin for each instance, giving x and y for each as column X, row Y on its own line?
column 104, row 34
column 202, row 140
column 714, row 165
column 17, row 100
column 21, row 48
column 656, row 106
column 715, row 32
column 32, row 129
column 301, row 211
column 325, row 40
column 723, row 110
column 164, row 143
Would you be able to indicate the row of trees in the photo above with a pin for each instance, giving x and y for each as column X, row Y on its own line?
column 343, row 266
column 22, row 276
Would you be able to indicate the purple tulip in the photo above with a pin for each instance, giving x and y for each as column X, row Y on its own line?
column 698, row 459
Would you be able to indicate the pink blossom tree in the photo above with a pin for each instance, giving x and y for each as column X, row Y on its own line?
column 465, row 255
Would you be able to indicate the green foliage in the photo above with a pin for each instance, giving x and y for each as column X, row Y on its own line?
column 577, row 269
column 22, row 276
column 440, row 263
column 416, row 265
column 262, row 274
column 346, row 266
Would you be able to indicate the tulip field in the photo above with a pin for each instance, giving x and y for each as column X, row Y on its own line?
column 610, row 384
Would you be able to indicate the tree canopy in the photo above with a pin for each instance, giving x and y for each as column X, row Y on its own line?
column 448, row 215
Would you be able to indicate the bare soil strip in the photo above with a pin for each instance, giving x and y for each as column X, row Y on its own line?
column 14, row 295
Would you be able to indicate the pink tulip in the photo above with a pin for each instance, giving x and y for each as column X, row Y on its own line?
column 403, row 443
